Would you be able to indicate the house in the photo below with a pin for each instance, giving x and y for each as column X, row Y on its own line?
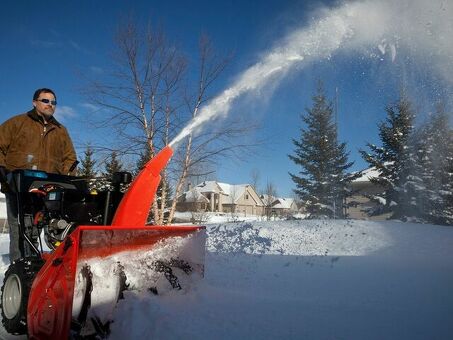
column 221, row 197
column 363, row 190
column 279, row 206
column 284, row 206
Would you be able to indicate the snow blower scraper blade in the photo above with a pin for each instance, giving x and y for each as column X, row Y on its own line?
column 75, row 293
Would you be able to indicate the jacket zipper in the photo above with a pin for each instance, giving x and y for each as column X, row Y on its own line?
column 43, row 135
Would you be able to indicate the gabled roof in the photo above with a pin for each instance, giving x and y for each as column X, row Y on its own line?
column 233, row 191
column 283, row 203
column 195, row 195
column 267, row 199
column 209, row 186
column 367, row 174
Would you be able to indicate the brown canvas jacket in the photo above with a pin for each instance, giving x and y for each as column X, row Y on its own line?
column 26, row 143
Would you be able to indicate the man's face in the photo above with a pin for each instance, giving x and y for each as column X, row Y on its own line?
column 45, row 109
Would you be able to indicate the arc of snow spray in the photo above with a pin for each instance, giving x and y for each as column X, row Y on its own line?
column 315, row 42
column 355, row 26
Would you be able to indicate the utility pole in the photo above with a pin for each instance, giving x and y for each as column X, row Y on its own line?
column 336, row 112
column 336, row 142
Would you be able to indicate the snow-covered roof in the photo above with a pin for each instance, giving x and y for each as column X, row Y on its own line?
column 367, row 174
column 195, row 195
column 283, row 203
column 209, row 186
column 234, row 191
column 231, row 192
column 267, row 198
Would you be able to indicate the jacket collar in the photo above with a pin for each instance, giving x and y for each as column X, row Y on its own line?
column 35, row 116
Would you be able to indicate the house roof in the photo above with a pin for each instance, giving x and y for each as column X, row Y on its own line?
column 267, row 199
column 234, row 191
column 283, row 203
column 209, row 186
column 195, row 195
column 367, row 174
column 231, row 192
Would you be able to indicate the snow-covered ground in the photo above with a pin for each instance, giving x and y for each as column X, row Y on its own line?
column 317, row 279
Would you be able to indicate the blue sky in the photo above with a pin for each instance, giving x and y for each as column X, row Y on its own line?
column 52, row 43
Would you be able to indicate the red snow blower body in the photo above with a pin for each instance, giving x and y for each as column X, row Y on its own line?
column 71, row 292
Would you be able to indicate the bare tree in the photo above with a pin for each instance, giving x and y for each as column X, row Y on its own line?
column 299, row 203
column 234, row 194
column 270, row 194
column 199, row 216
column 148, row 99
column 201, row 172
column 255, row 176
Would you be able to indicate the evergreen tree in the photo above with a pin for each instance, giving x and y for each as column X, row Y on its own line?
column 447, row 180
column 395, row 159
column 322, row 181
column 144, row 157
column 87, row 164
column 435, row 159
column 112, row 165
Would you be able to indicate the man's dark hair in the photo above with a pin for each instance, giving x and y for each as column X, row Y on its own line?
column 43, row 90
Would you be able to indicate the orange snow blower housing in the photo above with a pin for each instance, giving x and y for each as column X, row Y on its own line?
column 74, row 288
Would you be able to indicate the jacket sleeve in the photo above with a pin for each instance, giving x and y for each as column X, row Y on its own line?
column 69, row 154
column 5, row 140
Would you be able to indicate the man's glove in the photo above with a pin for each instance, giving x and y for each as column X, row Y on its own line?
column 3, row 179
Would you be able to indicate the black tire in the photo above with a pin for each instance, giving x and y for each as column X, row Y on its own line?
column 15, row 292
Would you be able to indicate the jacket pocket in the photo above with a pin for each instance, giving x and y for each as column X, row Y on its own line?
column 19, row 160
column 54, row 165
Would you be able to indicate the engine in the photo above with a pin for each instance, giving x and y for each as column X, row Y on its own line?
column 63, row 209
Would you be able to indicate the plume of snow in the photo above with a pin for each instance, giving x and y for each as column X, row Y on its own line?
column 424, row 27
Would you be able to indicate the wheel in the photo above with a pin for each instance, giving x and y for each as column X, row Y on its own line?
column 15, row 291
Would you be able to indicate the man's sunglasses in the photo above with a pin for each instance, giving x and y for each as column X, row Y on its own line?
column 47, row 101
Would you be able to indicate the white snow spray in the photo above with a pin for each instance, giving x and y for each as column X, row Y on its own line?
column 418, row 25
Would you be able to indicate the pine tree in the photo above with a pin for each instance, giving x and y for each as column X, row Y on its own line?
column 144, row 157
column 447, row 183
column 322, row 181
column 412, row 188
column 435, row 157
column 395, row 159
column 87, row 168
column 112, row 165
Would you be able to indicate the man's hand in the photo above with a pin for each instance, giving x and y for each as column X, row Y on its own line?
column 3, row 179
column 3, row 173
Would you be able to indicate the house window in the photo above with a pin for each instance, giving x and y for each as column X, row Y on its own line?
column 247, row 197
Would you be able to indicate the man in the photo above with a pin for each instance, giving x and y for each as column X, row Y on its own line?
column 33, row 140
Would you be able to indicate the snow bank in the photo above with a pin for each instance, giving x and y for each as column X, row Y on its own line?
column 308, row 238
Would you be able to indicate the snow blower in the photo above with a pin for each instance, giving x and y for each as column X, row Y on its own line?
column 100, row 246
